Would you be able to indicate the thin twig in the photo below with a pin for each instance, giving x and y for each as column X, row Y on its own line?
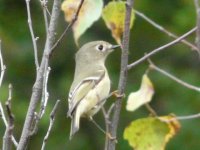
column 194, row 116
column 187, row 117
column 196, row 2
column 155, row 51
column 107, row 121
column 37, row 88
column 150, row 109
column 98, row 126
column 3, row 67
column 7, row 139
column 44, row 9
column 3, row 115
column 34, row 39
column 44, row 101
column 162, row 29
column 52, row 119
column 45, row 94
column 69, row 25
column 123, row 77
column 181, row 82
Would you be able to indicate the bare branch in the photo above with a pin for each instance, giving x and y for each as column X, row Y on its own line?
column 37, row 88
column 181, row 82
column 2, row 115
column 162, row 29
column 69, row 25
column 150, row 109
column 44, row 8
column 7, row 139
column 3, row 67
column 107, row 122
column 194, row 116
column 196, row 2
column 45, row 94
column 44, row 101
column 52, row 118
column 187, row 117
column 34, row 39
column 123, row 77
column 155, row 51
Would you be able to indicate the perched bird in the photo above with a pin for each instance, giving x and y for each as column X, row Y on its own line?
column 91, row 84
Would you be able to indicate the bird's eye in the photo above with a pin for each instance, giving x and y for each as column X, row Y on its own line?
column 100, row 47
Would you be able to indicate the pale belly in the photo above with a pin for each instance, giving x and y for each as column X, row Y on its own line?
column 95, row 98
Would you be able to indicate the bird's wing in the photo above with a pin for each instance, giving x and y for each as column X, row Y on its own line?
column 82, row 89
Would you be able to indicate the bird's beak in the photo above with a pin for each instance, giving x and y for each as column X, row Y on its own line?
column 114, row 46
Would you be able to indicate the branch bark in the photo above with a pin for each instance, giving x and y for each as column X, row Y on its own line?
column 3, row 67
column 162, row 29
column 196, row 2
column 7, row 139
column 155, row 51
column 37, row 87
column 181, row 82
column 52, row 118
column 69, row 25
column 34, row 39
column 111, row 144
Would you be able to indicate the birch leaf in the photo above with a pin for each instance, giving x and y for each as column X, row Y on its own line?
column 142, row 96
column 114, row 16
column 89, row 13
column 151, row 133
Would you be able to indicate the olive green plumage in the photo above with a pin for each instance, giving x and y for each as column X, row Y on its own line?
column 91, row 84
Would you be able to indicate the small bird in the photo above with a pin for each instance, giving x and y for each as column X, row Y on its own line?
column 91, row 84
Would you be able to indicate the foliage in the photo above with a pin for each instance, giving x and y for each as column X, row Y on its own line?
column 151, row 133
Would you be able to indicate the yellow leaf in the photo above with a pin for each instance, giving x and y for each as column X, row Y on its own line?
column 89, row 13
column 151, row 133
column 142, row 96
column 114, row 16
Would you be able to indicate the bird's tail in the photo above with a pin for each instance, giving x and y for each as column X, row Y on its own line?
column 75, row 121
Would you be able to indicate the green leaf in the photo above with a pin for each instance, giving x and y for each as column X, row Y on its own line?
column 151, row 133
column 114, row 16
column 89, row 13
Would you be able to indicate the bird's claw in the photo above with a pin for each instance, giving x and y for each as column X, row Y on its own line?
column 111, row 137
column 117, row 94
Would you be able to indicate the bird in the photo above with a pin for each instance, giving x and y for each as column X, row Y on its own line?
column 91, row 84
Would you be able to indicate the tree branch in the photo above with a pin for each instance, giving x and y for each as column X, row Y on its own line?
column 69, row 25
column 44, row 9
column 155, row 51
column 123, row 77
column 183, row 83
column 7, row 139
column 44, row 101
column 52, row 118
column 3, row 67
column 37, row 88
column 196, row 2
column 162, row 29
column 34, row 40
column 2, row 115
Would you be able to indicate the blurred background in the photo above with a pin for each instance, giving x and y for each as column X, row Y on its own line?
column 178, row 16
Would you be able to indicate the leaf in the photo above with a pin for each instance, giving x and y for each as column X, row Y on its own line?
column 89, row 13
column 142, row 96
column 151, row 133
column 114, row 16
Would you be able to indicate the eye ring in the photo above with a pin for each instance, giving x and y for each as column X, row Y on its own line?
column 100, row 47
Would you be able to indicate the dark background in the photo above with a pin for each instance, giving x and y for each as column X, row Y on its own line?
column 178, row 16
